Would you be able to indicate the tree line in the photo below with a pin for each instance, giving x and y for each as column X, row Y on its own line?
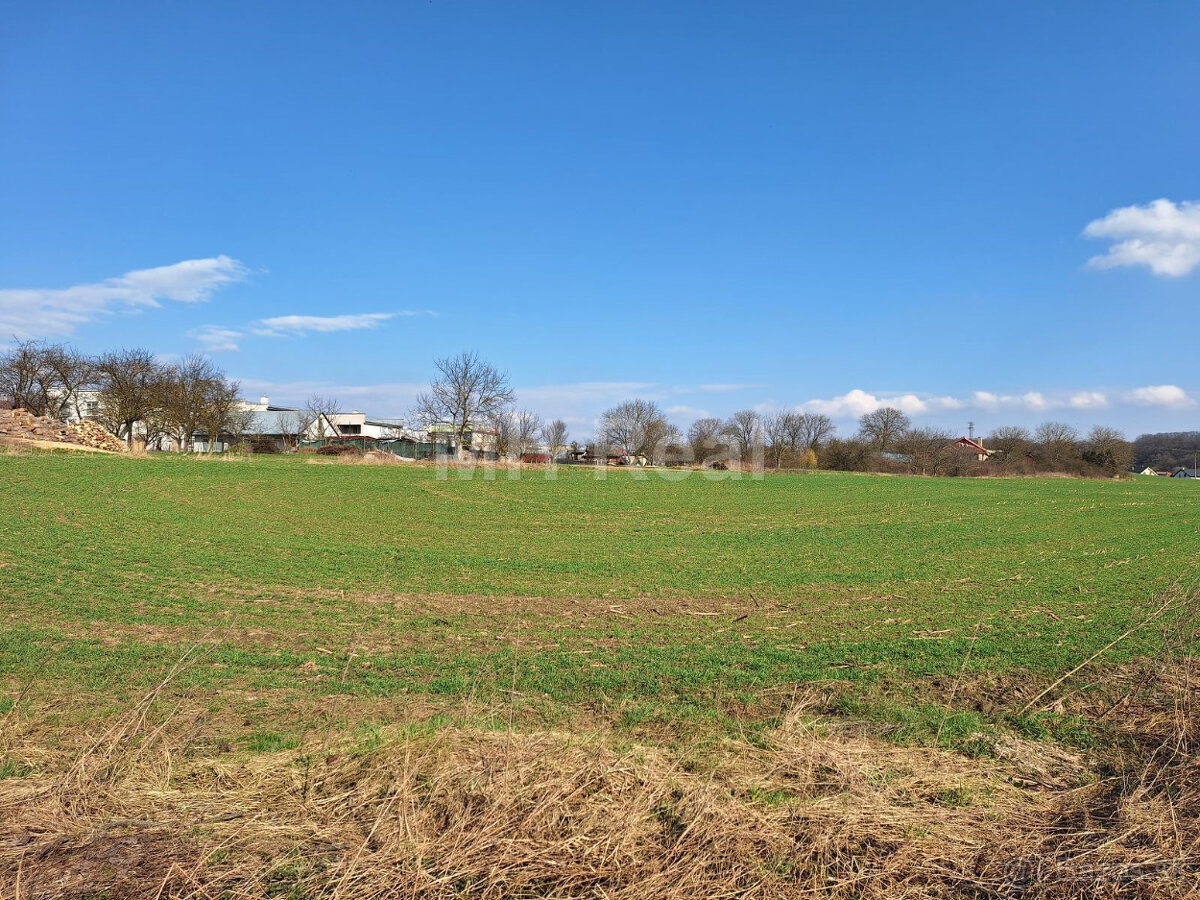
column 886, row 440
column 137, row 395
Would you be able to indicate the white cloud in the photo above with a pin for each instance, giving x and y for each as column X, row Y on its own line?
column 215, row 338
column 1034, row 401
column 1161, row 395
column 859, row 402
column 725, row 387
column 686, row 415
column 280, row 326
column 1089, row 400
column 36, row 312
column 1161, row 235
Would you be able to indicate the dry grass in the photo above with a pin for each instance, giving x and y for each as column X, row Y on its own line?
column 823, row 809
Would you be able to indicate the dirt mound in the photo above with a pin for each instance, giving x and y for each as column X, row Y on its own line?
column 24, row 426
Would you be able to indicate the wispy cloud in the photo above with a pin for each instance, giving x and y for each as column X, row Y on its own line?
column 686, row 415
column 1162, row 235
column 215, row 338
column 284, row 326
column 725, row 388
column 38, row 312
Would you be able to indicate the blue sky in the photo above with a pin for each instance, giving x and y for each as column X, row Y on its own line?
column 713, row 204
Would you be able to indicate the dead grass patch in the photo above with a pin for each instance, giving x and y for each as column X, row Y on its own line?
column 818, row 807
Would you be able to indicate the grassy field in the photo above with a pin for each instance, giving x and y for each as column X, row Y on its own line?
column 313, row 602
column 634, row 598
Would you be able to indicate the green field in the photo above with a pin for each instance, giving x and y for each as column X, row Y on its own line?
column 266, row 677
column 634, row 601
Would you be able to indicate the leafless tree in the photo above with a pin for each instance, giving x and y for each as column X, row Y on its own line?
column 317, row 416
column 790, row 435
column 554, row 436
column 931, row 450
column 1057, row 442
column 708, row 440
column 527, row 426
column 744, row 427
column 637, row 426
column 669, row 447
column 223, row 412
column 1012, row 441
column 814, row 430
column 186, row 390
column 1107, row 449
column 288, row 423
column 130, row 389
column 467, row 390
column 503, row 424
column 883, row 428
column 240, row 424
column 775, row 434
column 45, row 379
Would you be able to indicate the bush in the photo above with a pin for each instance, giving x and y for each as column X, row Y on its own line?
column 339, row 450
column 263, row 445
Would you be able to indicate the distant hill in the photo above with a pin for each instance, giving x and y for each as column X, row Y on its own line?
column 1166, row 450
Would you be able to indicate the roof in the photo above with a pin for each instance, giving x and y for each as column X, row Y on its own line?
column 1188, row 473
column 264, row 422
column 966, row 442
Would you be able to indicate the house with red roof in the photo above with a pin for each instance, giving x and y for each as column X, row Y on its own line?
column 973, row 447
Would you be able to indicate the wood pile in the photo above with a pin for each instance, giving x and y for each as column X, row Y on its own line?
column 17, row 423
column 90, row 434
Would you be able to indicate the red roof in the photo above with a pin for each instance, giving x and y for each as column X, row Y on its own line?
column 967, row 442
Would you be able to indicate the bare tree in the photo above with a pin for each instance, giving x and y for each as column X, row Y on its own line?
column 707, row 439
column 317, row 416
column 814, row 430
column 776, row 434
column 669, row 447
column 883, row 428
column 636, row 426
column 467, row 390
column 130, row 389
column 1107, row 449
column 223, row 412
column 45, row 379
column 554, row 436
column 527, row 426
column 185, row 392
column 931, row 450
column 1057, row 442
column 503, row 423
column 744, row 427
column 288, row 423
column 791, row 435
column 1012, row 441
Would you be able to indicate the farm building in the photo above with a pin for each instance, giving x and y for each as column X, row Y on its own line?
column 357, row 423
column 1187, row 473
column 972, row 447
